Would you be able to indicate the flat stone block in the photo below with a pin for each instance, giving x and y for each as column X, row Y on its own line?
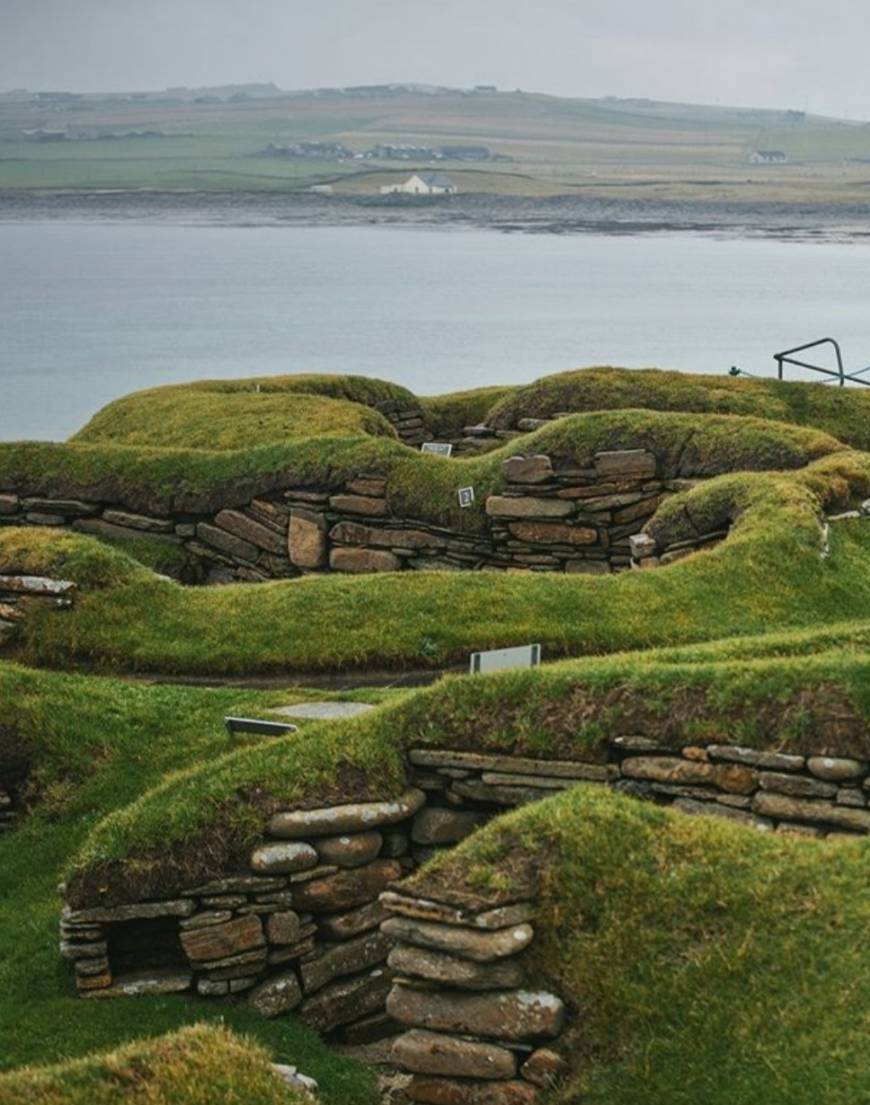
column 506, row 506
column 324, row 711
column 362, row 561
column 425, row 1052
column 502, row 1015
column 356, row 816
column 285, row 857
column 481, row 946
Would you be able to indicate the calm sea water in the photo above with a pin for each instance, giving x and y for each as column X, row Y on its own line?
column 89, row 312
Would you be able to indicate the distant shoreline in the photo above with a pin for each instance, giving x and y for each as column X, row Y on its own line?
column 565, row 214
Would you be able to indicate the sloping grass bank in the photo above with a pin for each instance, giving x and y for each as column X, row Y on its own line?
column 702, row 961
column 95, row 746
column 206, row 818
column 769, row 574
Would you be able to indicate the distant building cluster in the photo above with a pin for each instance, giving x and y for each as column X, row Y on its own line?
column 383, row 151
column 767, row 157
column 325, row 151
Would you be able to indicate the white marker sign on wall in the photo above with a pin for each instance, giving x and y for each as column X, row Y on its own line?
column 500, row 659
column 439, row 448
column 466, row 496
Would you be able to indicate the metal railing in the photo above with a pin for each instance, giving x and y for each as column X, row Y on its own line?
column 787, row 357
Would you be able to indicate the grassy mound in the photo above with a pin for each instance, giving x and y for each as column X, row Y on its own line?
column 818, row 702
column 239, row 414
column 200, row 1065
column 703, row 962
column 769, row 574
column 232, row 420
column 841, row 412
column 418, row 486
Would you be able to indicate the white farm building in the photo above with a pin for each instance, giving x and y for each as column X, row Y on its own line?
column 424, row 184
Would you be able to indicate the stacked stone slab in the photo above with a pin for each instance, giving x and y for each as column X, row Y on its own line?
column 475, row 1031
column 815, row 795
column 408, row 422
column 298, row 932
column 551, row 516
column 321, row 924
column 20, row 594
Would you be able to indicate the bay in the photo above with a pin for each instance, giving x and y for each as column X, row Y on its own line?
column 90, row 311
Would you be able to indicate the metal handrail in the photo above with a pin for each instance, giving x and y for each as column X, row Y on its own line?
column 787, row 357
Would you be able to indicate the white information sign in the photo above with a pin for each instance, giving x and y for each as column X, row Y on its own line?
column 466, row 496
column 500, row 659
column 440, row 448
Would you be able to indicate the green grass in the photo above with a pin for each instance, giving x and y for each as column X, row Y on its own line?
column 96, row 745
column 228, row 420
column 152, row 846
column 554, row 145
column 768, row 574
column 703, row 962
column 200, row 1065
column 843, row 413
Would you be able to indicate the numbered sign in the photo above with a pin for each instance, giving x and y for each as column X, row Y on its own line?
column 500, row 659
column 440, row 448
column 466, row 496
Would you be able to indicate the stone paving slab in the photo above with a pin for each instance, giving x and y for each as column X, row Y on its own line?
column 324, row 711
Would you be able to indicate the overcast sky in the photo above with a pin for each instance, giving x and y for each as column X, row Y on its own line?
column 789, row 53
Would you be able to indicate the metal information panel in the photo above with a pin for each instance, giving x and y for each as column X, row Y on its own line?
column 500, row 659
column 440, row 448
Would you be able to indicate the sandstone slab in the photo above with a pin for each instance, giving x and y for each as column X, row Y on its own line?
column 346, row 1000
column 284, row 858
column 502, row 1014
column 359, row 504
column 283, row 927
column 553, row 533
column 145, row 982
column 357, row 816
column 348, row 888
column 733, row 778
column 216, row 942
column 425, row 1052
column 836, row 769
column 329, row 962
column 451, row 970
column 625, row 463
column 468, row 943
column 361, row 561
column 544, row 1068
column 306, row 540
column 350, row 850
column 510, row 506
column 342, row 926
column 431, row 1090
column 279, row 994
column 531, row 469
column 778, row 806
column 233, row 521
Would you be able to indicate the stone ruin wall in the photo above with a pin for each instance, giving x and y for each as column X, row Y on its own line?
column 550, row 517
column 321, row 923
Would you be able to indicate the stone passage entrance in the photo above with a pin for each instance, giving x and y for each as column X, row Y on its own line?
column 322, row 921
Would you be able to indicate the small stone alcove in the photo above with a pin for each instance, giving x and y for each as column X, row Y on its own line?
column 145, row 944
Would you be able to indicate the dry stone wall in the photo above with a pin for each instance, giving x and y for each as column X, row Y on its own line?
column 550, row 516
column 320, row 922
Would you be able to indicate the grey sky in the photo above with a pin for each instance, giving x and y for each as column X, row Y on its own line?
column 790, row 53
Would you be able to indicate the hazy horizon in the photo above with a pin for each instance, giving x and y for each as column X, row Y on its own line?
column 752, row 55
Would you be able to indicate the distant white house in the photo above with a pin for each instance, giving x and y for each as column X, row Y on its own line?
column 767, row 157
column 424, row 184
